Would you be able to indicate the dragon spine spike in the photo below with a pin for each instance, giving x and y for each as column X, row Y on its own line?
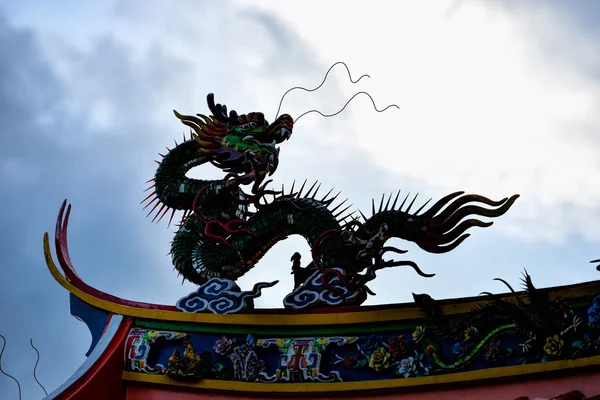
column 158, row 162
column 158, row 212
column 301, row 189
column 324, row 199
column 147, row 197
column 411, row 203
column 387, row 204
column 373, row 212
column 404, row 201
column 150, row 203
column 161, row 155
column 150, row 180
column 171, row 218
column 362, row 215
column 311, row 188
column 339, row 205
column 150, row 187
column 153, row 208
column 345, row 217
column 343, row 211
column 381, row 202
column 396, row 199
column 316, row 191
column 329, row 201
column 175, row 141
column 163, row 214
column 182, row 220
column 292, row 189
column 416, row 213
column 168, row 149
column 343, row 221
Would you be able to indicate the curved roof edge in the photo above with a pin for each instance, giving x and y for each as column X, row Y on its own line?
column 100, row 374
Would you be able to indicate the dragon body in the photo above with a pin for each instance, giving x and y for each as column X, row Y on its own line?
column 225, row 230
column 461, row 361
column 530, row 314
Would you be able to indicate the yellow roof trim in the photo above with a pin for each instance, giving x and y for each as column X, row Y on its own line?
column 310, row 387
column 300, row 319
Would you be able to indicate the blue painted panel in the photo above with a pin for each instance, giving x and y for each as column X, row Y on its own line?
column 94, row 318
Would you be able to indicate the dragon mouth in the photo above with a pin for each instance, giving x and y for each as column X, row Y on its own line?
column 285, row 133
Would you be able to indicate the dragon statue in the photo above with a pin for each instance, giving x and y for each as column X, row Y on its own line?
column 225, row 230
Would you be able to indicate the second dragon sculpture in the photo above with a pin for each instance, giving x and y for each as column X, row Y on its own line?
column 228, row 224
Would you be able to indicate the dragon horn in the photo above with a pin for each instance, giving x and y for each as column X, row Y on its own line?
column 219, row 111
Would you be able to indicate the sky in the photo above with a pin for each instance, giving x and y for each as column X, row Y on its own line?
column 495, row 98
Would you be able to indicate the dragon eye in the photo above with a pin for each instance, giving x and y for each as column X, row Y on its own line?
column 252, row 124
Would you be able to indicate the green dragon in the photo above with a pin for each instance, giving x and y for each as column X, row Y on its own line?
column 530, row 313
column 225, row 230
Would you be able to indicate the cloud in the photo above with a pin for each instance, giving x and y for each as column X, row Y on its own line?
column 493, row 99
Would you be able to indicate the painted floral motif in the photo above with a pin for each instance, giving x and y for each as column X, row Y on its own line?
column 246, row 365
column 397, row 346
column 459, row 348
column 380, row 359
column 418, row 334
column 223, row 346
column 407, row 367
column 562, row 313
column 220, row 371
column 384, row 356
column 370, row 344
column 245, row 362
column 350, row 361
column 554, row 345
column 492, row 353
column 412, row 366
column 594, row 313
column 471, row 333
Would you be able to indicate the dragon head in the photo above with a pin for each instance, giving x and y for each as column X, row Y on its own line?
column 252, row 126
column 241, row 144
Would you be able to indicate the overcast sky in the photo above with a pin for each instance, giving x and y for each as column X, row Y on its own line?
column 495, row 98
